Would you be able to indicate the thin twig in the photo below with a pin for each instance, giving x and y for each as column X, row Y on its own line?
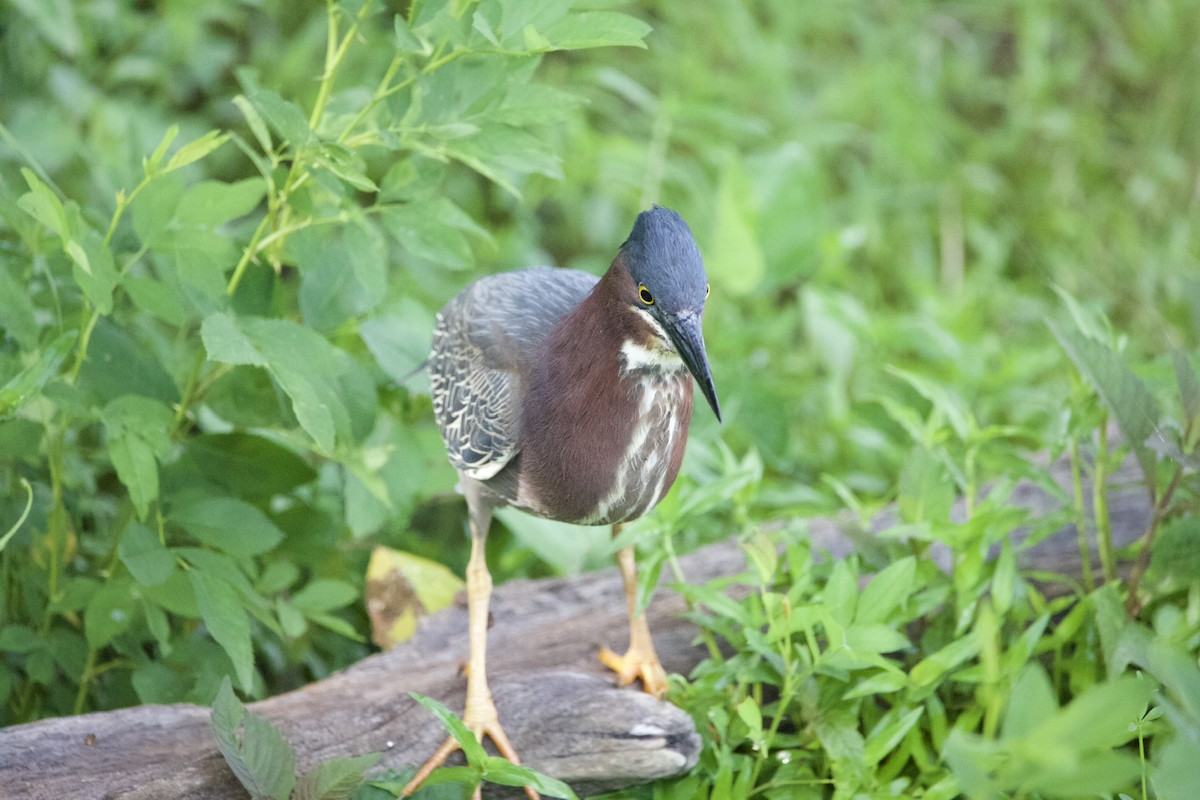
column 1132, row 605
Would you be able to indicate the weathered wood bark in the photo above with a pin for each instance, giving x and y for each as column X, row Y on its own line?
column 558, row 706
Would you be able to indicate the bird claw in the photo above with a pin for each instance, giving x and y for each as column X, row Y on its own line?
column 637, row 663
column 491, row 730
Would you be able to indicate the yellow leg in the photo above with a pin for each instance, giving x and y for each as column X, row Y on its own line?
column 480, row 713
column 640, row 660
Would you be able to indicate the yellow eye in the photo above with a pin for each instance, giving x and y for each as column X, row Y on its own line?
column 645, row 295
column 707, row 290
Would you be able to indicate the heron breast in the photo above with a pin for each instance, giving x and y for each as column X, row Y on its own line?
column 651, row 459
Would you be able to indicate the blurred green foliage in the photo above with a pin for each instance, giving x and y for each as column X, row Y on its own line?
column 225, row 228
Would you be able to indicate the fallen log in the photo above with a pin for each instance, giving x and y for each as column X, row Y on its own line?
column 558, row 706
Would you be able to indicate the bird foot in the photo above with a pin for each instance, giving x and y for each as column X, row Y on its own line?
column 638, row 662
column 485, row 723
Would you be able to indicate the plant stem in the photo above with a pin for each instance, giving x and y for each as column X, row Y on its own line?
column 84, row 681
column 276, row 216
column 248, row 253
column 334, row 55
column 1132, row 605
column 85, row 338
column 1104, row 541
column 1081, row 527
column 710, row 643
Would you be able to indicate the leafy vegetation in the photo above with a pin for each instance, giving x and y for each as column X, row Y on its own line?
column 225, row 227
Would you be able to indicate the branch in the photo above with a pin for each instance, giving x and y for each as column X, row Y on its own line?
column 558, row 706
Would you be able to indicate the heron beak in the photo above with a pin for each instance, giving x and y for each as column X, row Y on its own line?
column 685, row 332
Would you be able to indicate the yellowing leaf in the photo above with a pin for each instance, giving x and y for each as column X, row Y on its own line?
column 401, row 588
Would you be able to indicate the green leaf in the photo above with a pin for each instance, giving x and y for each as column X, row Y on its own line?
column 1100, row 717
column 1004, row 579
column 504, row 154
column 1189, row 388
column 19, row 639
column 749, row 713
column 343, row 272
column 138, row 431
column 158, row 298
column 471, row 747
column 57, row 22
column 225, row 341
column 94, row 269
column 117, row 365
column 874, row 639
column 1095, row 774
column 841, row 593
column 247, row 397
column 1180, row 677
column 299, row 359
column 1175, row 771
column 324, row 594
column 585, row 29
column 346, row 164
column 930, row 669
column 406, row 40
column 889, row 731
column 943, row 399
column 881, row 683
column 334, row 779
column 248, row 465
column 212, row 203
column 1131, row 402
column 144, row 555
column 506, row 773
column 109, row 613
column 151, row 164
column 147, row 418
column 17, row 315
column 927, row 492
column 154, row 209
column 22, row 387
column 838, row 733
column 225, row 617
column 43, row 204
column 260, row 758
column 157, row 622
column 254, row 120
column 399, row 341
column 283, row 115
column 197, row 149
column 231, row 525
column 432, row 230
column 887, row 591
column 1030, row 702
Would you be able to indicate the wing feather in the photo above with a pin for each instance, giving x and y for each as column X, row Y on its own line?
column 485, row 339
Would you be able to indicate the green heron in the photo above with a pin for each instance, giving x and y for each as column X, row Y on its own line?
column 569, row 397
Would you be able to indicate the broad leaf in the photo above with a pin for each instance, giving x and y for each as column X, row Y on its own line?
column 231, row 525
column 260, row 758
column 146, row 558
column 226, row 620
column 283, row 115
column 1135, row 408
column 28, row 382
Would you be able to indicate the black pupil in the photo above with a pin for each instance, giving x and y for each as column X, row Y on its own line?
column 646, row 296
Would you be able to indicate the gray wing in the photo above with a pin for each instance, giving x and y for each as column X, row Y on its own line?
column 483, row 344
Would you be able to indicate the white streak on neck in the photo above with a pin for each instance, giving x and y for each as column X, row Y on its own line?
column 658, row 356
column 635, row 356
